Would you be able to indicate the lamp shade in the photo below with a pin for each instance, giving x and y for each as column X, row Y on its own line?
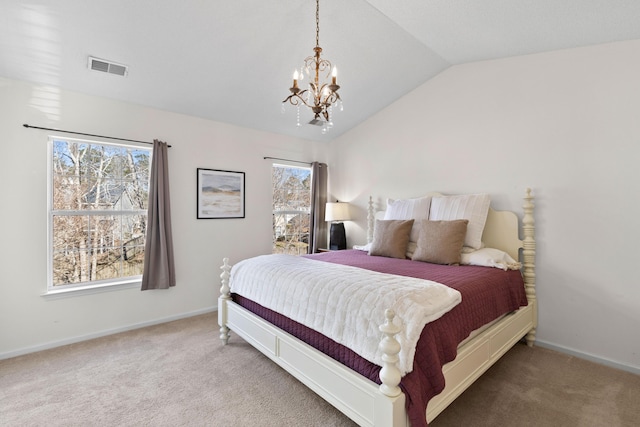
column 337, row 211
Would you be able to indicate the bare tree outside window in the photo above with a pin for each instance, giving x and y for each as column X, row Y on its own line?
column 98, row 211
column 291, row 209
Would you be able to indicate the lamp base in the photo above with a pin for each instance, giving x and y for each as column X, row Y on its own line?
column 337, row 237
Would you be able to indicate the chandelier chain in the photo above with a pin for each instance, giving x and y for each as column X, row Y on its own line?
column 317, row 23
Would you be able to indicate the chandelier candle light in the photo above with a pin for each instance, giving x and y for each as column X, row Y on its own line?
column 321, row 95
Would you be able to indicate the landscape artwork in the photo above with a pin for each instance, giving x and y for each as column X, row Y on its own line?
column 220, row 194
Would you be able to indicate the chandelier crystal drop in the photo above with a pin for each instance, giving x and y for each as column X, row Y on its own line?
column 322, row 92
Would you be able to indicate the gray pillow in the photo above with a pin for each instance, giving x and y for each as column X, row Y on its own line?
column 440, row 242
column 390, row 238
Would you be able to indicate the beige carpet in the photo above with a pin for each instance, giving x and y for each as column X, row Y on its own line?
column 540, row 387
column 178, row 374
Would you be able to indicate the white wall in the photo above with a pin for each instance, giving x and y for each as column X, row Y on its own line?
column 564, row 123
column 567, row 124
column 30, row 322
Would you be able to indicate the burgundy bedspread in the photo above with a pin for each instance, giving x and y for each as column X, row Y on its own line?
column 487, row 293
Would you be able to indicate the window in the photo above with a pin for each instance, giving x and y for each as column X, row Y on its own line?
column 98, row 195
column 291, row 209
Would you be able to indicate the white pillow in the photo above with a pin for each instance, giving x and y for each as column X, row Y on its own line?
column 489, row 257
column 365, row 248
column 473, row 207
column 417, row 209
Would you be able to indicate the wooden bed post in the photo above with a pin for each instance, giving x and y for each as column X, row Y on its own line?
column 529, row 261
column 390, row 375
column 371, row 219
column 225, row 295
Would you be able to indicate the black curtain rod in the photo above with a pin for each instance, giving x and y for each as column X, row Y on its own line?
column 87, row 134
column 287, row 160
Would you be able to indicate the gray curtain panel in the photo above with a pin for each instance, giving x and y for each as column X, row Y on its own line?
column 159, row 269
column 318, row 226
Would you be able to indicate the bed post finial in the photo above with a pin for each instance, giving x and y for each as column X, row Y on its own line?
column 371, row 218
column 529, row 260
column 390, row 375
column 225, row 295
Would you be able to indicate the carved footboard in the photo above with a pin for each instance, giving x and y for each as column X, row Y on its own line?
column 390, row 375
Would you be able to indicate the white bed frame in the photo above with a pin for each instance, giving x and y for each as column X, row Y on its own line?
column 370, row 404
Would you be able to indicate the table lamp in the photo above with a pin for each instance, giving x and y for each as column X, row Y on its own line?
column 336, row 213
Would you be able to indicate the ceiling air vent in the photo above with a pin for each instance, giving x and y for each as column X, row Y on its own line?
column 107, row 66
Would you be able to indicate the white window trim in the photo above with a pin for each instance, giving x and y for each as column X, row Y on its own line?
column 96, row 288
column 72, row 290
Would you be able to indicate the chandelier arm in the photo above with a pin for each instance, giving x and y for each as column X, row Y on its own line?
column 296, row 98
column 311, row 62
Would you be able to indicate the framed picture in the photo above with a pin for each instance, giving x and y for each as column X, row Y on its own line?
column 220, row 194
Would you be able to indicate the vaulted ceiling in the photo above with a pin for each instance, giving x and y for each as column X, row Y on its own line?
column 232, row 61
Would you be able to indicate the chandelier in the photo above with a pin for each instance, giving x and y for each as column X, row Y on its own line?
column 322, row 94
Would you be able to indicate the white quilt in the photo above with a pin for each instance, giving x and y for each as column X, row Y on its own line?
column 344, row 303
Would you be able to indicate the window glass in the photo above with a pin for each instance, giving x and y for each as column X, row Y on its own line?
column 291, row 209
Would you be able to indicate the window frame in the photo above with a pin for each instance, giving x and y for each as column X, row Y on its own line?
column 284, row 164
column 94, row 286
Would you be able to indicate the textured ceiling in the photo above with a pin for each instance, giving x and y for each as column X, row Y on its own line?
column 232, row 61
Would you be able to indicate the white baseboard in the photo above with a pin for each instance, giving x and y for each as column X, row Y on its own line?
column 73, row 340
column 53, row 344
column 589, row 357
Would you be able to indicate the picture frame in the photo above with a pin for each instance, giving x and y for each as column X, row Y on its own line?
column 220, row 194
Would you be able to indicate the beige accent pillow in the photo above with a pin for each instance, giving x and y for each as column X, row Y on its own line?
column 390, row 238
column 440, row 242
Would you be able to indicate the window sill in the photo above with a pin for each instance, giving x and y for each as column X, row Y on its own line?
column 89, row 290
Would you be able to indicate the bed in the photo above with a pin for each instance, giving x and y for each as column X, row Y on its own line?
column 383, row 401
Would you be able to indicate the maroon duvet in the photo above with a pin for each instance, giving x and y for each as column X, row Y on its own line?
column 487, row 293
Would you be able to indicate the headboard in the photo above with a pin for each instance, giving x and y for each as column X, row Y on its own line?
column 501, row 230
